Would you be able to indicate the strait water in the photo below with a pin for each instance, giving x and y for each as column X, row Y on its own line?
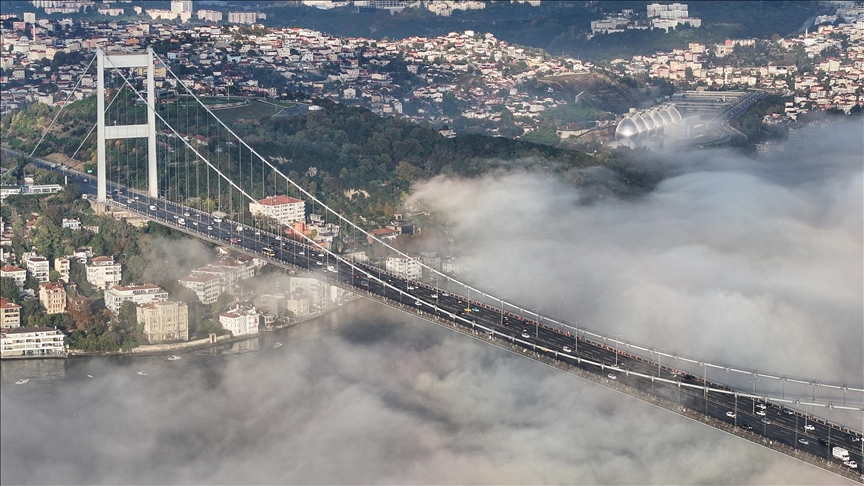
column 362, row 395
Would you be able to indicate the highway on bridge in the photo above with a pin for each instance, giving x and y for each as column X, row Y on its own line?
column 751, row 416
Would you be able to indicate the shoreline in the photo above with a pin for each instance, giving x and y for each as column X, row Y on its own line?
column 188, row 346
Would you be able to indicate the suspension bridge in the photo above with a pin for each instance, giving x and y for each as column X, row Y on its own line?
column 170, row 159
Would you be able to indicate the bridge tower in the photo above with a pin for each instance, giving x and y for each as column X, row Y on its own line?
column 147, row 130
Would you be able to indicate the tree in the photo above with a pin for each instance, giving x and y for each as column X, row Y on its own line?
column 9, row 289
column 127, row 316
column 54, row 276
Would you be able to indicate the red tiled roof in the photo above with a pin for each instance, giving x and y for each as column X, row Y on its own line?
column 278, row 200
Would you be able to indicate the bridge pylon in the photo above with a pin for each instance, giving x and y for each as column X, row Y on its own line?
column 113, row 132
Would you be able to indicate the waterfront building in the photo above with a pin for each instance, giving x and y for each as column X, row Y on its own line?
column 164, row 321
column 240, row 321
column 32, row 341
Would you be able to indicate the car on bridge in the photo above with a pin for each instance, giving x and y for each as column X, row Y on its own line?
column 766, row 421
column 526, row 335
column 809, row 427
column 567, row 349
column 803, row 441
column 731, row 414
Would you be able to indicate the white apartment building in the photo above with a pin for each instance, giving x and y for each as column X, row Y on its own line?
column 297, row 304
column 103, row 273
column 38, row 267
column 15, row 273
column 138, row 294
column 284, row 209
column 52, row 295
column 409, row 268
column 32, row 341
column 180, row 6
column 320, row 294
column 206, row 287
column 240, row 321
column 10, row 314
column 245, row 17
column 210, row 15
column 228, row 270
column 164, row 320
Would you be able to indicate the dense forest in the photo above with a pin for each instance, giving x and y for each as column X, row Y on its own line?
column 332, row 152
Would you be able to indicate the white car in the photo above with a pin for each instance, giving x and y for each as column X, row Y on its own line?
column 186, row 214
column 445, row 294
column 418, row 303
column 761, row 413
column 209, row 228
column 217, row 220
column 318, row 263
column 434, row 296
column 761, row 405
column 731, row 414
column 526, row 335
column 851, row 464
column 195, row 223
column 612, row 376
column 257, row 233
column 567, row 349
column 803, row 441
column 809, row 428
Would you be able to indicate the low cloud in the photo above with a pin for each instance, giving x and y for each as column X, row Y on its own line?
column 750, row 262
column 364, row 396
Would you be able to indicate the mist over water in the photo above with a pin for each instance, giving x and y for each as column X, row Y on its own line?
column 750, row 262
column 364, row 395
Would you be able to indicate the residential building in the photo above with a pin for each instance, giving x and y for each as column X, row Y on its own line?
column 62, row 266
column 321, row 294
column 206, row 287
column 297, row 304
column 180, row 6
column 164, row 320
column 15, row 273
column 10, row 314
column 240, row 321
column 209, row 15
column 73, row 224
column 52, row 295
column 103, row 273
column 284, row 209
column 32, row 341
column 273, row 304
column 407, row 267
column 138, row 294
column 228, row 270
column 38, row 267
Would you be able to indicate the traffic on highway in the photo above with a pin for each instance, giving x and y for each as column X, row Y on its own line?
column 747, row 413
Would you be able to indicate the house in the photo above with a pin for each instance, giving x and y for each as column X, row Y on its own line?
column 61, row 265
column 103, row 273
column 382, row 234
column 407, row 267
column 15, row 273
column 10, row 314
column 206, row 287
column 240, row 321
column 73, row 224
column 32, row 341
column 52, row 295
column 284, row 209
column 138, row 294
column 38, row 267
column 164, row 321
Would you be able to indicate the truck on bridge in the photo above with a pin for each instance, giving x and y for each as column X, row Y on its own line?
column 840, row 453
